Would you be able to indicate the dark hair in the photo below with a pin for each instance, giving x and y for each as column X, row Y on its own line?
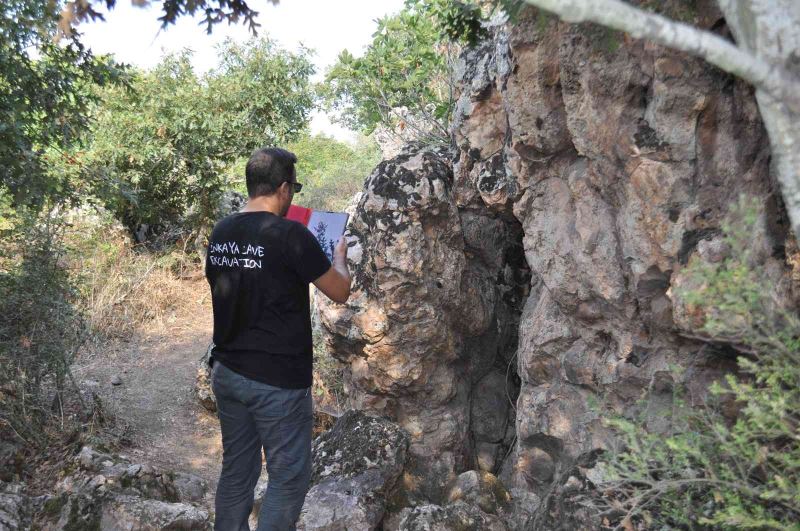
column 267, row 169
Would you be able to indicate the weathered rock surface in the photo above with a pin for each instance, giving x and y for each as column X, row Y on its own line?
column 503, row 288
column 111, row 493
column 356, row 465
column 481, row 489
column 15, row 507
column 432, row 315
column 202, row 383
column 458, row 515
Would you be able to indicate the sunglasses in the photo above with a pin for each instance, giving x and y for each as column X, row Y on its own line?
column 297, row 187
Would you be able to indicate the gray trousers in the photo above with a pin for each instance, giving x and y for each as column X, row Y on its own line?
column 252, row 416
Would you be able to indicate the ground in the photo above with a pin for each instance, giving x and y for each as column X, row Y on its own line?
column 155, row 399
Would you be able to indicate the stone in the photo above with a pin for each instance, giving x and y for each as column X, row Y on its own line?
column 15, row 507
column 107, row 491
column 544, row 255
column 128, row 513
column 355, row 467
column 202, row 384
column 481, row 489
column 425, row 294
column 458, row 515
column 258, row 498
column 189, row 487
column 116, row 380
column 521, row 511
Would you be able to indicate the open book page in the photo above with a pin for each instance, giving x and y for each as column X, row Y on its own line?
column 328, row 227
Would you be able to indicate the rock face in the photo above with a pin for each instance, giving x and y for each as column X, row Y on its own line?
column 356, row 465
column 15, row 507
column 503, row 287
column 111, row 493
column 433, row 317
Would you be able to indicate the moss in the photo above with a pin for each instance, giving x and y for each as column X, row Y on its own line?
column 680, row 10
column 85, row 518
column 53, row 507
column 543, row 19
column 126, row 481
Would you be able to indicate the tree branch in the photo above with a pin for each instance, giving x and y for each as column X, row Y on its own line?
column 772, row 79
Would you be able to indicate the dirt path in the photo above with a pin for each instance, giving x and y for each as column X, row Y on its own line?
column 156, row 398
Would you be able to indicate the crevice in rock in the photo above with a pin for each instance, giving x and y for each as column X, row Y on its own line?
column 492, row 357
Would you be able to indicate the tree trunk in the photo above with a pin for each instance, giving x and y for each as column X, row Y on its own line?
column 770, row 30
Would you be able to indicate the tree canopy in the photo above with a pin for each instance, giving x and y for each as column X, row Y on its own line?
column 405, row 65
column 159, row 151
column 214, row 12
column 44, row 97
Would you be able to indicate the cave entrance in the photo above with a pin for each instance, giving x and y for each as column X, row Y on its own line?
column 495, row 384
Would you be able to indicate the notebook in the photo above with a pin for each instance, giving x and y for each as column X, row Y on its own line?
column 327, row 227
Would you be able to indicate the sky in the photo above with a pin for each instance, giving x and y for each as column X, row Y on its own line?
column 134, row 36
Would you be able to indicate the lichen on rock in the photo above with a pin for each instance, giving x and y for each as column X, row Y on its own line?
column 536, row 260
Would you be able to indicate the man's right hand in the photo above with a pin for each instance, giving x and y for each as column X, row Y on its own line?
column 335, row 283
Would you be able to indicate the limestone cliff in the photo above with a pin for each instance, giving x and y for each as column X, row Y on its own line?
column 508, row 286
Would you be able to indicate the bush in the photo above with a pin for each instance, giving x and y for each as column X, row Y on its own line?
column 121, row 286
column 42, row 328
column 159, row 150
column 332, row 171
column 407, row 65
column 66, row 281
column 707, row 470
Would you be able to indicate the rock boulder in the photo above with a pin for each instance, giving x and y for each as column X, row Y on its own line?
column 356, row 465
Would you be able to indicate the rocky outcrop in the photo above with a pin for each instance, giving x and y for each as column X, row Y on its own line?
column 506, row 288
column 356, row 465
column 432, row 319
column 620, row 164
column 101, row 491
column 16, row 507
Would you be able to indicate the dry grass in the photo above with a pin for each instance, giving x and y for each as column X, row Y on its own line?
column 125, row 287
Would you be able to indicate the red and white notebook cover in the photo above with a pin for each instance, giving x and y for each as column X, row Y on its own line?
column 328, row 227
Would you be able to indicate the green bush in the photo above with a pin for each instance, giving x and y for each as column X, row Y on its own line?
column 332, row 171
column 158, row 152
column 41, row 328
column 710, row 470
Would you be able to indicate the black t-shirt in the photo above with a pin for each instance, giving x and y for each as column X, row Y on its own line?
column 259, row 266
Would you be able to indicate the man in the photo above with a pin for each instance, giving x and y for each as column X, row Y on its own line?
column 259, row 266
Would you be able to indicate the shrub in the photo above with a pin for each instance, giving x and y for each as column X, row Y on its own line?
column 42, row 328
column 332, row 171
column 708, row 471
column 121, row 286
column 159, row 150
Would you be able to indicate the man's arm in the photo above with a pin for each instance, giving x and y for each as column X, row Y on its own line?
column 335, row 283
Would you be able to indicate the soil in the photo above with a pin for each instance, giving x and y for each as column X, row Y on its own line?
column 154, row 398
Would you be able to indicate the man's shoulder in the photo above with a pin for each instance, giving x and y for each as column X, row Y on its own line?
column 250, row 221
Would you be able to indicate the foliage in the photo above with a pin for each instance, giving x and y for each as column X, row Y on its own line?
column 407, row 64
column 710, row 470
column 44, row 98
column 403, row 81
column 214, row 11
column 163, row 148
column 41, row 327
column 332, row 172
